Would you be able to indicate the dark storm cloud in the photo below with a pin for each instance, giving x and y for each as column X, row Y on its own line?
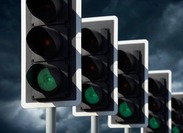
column 136, row 18
column 169, row 31
column 18, row 120
column 10, row 50
column 75, row 125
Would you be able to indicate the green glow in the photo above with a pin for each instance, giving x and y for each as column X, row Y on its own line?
column 91, row 96
column 175, row 129
column 45, row 80
column 153, row 123
column 125, row 110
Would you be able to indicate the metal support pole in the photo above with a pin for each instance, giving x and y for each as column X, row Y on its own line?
column 128, row 130
column 50, row 120
column 94, row 124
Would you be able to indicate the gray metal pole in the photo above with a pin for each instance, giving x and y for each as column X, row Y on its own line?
column 94, row 124
column 128, row 130
column 50, row 120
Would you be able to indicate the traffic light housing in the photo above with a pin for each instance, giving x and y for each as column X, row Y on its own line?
column 159, row 102
column 132, row 85
column 51, row 53
column 99, row 67
column 177, row 112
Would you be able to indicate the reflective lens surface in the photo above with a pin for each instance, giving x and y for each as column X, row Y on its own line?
column 126, row 109
column 92, row 67
column 154, row 123
column 127, row 86
column 44, row 42
column 46, row 81
column 92, row 96
column 175, row 129
column 154, row 105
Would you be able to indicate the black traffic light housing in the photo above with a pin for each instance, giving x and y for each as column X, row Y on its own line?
column 159, row 102
column 132, row 85
column 51, row 53
column 99, row 68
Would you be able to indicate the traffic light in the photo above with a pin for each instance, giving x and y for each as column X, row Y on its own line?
column 132, row 85
column 177, row 112
column 159, row 102
column 51, row 53
column 99, row 67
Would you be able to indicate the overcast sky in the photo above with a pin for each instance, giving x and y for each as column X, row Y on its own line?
column 158, row 21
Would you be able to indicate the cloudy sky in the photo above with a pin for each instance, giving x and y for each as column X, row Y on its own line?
column 160, row 22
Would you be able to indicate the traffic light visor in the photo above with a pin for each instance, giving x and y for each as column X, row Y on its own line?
column 92, row 67
column 126, row 61
column 155, row 105
column 91, row 40
column 44, row 42
column 156, row 87
column 127, row 86
column 46, row 10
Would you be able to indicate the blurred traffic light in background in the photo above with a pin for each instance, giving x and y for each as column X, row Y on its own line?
column 159, row 102
column 99, row 68
column 51, row 53
column 132, row 85
column 177, row 112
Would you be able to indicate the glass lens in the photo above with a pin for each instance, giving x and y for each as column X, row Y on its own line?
column 154, row 123
column 175, row 129
column 46, row 81
column 92, row 67
column 92, row 96
column 125, row 109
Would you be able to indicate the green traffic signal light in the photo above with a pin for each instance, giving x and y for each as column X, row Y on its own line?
column 93, row 95
column 46, row 81
column 44, row 78
column 126, row 109
column 154, row 123
column 175, row 129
